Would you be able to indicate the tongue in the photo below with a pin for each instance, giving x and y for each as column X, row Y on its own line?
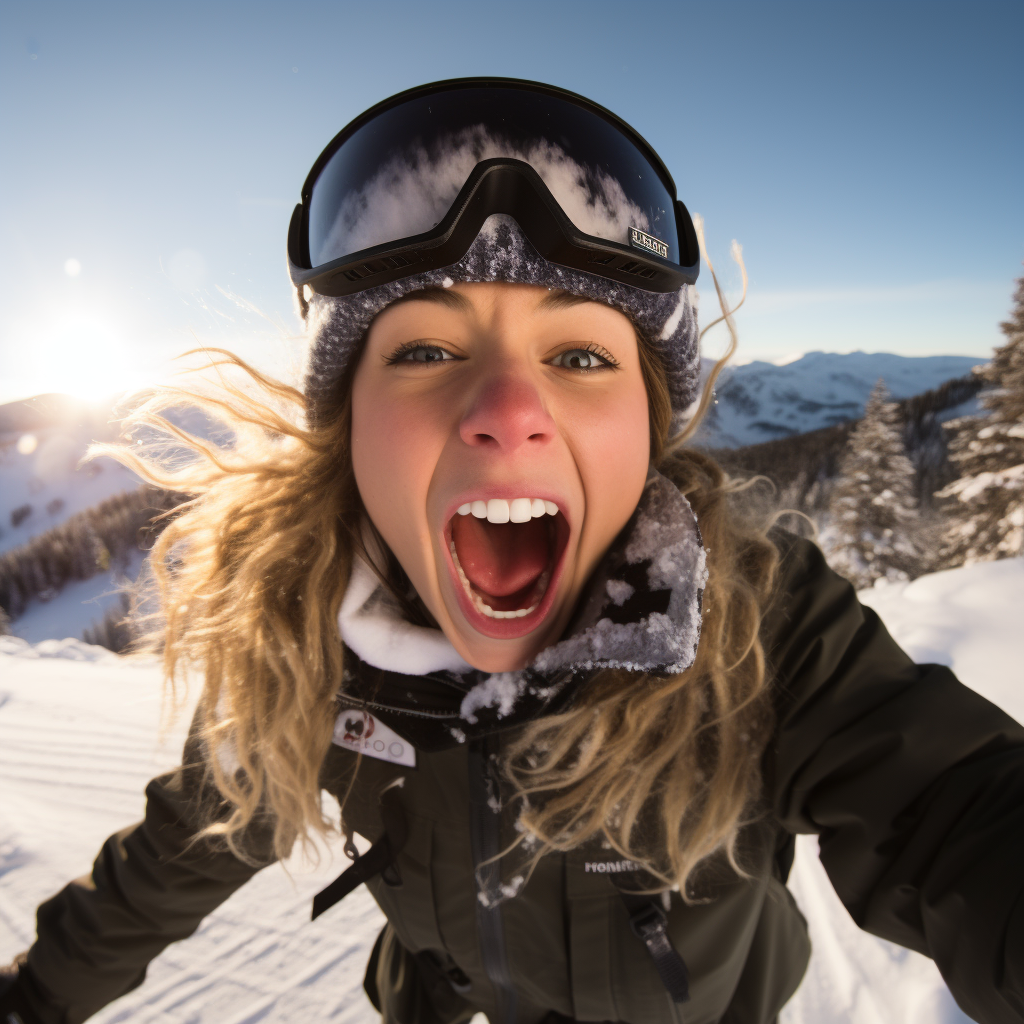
column 500, row 559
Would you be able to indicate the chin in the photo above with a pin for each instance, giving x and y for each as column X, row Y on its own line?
column 490, row 654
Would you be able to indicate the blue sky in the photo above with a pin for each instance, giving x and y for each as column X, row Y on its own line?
column 868, row 156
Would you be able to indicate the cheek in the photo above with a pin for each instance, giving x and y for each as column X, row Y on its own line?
column 613, row 450
column 394, row 451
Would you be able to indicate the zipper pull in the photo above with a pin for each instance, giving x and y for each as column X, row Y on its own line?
column 350, row 848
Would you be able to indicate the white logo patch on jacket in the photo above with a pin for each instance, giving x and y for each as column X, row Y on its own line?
column 361, row 732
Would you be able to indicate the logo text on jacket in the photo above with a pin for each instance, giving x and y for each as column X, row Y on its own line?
column 611, row 867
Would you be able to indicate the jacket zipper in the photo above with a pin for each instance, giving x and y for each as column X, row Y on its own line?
column 485, row 837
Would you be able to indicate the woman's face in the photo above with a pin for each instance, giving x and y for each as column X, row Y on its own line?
column 477, row 412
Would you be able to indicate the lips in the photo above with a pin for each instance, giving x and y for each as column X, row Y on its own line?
column 505, row 557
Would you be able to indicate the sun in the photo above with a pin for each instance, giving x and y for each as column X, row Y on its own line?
column 79, row 353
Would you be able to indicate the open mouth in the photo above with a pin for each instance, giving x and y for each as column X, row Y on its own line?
column 506, row 554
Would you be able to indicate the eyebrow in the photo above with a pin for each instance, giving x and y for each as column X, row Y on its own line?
column 440, row 296
column 559, row 299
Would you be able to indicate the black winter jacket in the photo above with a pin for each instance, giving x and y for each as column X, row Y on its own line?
column 913, row 782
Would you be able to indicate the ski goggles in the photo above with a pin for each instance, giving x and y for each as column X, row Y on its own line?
column 408, row 185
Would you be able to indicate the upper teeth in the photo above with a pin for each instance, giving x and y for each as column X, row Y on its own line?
column 518, row 510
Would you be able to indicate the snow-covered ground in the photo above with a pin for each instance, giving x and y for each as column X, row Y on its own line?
column 969, row 619
column 759, row 401
column 79, row 739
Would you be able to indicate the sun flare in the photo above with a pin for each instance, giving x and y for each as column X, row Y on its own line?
column 83, row 354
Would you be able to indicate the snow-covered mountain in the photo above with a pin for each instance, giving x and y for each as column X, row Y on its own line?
column 42, row 443
column 42, row 484
column 760, row 401
column 73, row 712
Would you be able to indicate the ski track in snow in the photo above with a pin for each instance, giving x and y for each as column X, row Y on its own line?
column 80, row 736
column 78, row 742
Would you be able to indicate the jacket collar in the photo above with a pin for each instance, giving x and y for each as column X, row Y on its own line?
column 640, row 611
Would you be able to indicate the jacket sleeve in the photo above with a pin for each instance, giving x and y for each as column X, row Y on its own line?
column 151, row 885
column 914, row 783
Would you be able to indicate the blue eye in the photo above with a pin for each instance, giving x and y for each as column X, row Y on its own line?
column 579, row 359
column 424, row 354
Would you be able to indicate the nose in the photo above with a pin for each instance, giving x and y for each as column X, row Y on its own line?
column 506, row 413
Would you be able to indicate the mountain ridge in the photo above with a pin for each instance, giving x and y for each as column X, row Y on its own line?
column 760, row 401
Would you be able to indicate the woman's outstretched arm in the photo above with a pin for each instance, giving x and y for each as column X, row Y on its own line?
column 914, row 783
column 151, row 885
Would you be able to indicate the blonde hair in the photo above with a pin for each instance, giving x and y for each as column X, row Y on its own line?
column 250, row 573
column 248, row 577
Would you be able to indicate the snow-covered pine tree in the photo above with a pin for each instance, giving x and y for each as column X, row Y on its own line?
column 985, row 506
column 874, row 528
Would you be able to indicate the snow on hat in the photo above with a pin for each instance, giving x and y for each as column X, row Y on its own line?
column 416, row 189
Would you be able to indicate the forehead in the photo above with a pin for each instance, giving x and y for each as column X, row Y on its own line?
column 476, row 299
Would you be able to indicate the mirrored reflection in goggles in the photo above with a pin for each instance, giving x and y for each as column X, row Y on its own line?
column 399, row 174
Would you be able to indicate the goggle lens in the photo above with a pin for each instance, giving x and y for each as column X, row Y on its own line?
column 397, row 175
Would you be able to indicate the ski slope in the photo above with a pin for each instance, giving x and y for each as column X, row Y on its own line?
column 79, row 739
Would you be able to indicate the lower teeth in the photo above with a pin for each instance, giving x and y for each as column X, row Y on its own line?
column 486, row 609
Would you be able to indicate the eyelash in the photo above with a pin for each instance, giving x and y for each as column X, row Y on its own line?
column 609, row 361
column 398, row 356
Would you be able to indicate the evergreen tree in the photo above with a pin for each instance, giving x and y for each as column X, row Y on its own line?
column 985, row 506
column 874, row 529
column 114, row 631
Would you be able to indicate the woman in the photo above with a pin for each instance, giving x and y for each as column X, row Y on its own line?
column 578, row 707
